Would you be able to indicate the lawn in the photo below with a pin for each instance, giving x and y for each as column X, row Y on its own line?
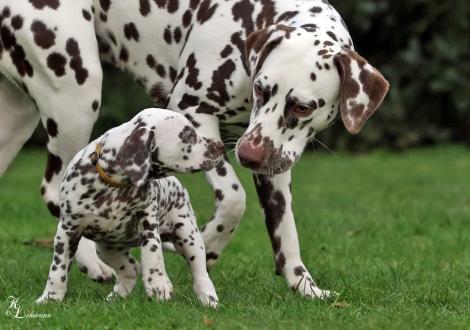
column 389, row 232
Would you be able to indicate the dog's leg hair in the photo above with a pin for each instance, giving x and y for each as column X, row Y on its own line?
column 189, row 243
column 125, row 267
column 65, row 246
column 230, row 197
column 18, row 119
column 276, row 200
column 156, row 281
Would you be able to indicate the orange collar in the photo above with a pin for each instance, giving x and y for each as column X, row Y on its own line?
column 95, row 156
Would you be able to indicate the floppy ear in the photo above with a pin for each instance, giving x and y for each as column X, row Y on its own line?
column 134, row 156
column 363, row 88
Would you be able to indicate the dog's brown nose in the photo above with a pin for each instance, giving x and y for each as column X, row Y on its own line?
column 251, row 157
column 216, row 148
column 219, row 145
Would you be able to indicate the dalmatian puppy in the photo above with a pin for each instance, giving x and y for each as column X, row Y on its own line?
column 284, row 69
column 116, row 192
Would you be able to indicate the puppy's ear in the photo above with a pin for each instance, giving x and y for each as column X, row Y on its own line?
column 135, row 155
column 363, row 88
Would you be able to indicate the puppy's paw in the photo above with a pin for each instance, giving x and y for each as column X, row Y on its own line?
column 49, row 296
column 97, row 270
column 159, row 288
column 121, row 289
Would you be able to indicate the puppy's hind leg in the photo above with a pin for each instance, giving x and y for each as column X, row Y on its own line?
column 125, row 267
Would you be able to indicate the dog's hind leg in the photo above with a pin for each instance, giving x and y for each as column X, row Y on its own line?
column 125, row 267
column 18, row 119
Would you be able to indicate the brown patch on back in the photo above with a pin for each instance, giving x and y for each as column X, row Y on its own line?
column 40, row 4
column 206, row 10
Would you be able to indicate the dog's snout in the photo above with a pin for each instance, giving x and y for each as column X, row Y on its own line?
column 250, row 156
column 216, row 147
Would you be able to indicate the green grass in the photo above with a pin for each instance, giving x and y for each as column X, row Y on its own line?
column 390, row 232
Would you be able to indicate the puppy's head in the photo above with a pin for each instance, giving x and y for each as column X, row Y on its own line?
column 302, row 78
column 162, row 142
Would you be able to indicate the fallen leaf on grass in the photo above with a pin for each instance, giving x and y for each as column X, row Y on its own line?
column 341, row 304
column 207, row 321
column 40, row 242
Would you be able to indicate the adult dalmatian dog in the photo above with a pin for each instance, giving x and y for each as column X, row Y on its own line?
column 285, row 67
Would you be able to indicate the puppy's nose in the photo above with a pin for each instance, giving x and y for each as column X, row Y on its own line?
column 251, row 157
column 216, row 147
column 219, row 145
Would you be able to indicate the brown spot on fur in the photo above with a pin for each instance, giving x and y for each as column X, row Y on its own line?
column 56, row 62
column 40, row 4
column 54, row 165
column 206, row 10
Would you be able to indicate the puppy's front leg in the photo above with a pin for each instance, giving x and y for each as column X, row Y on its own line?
column 65, row 246
column 156, row 281
column 276, row 199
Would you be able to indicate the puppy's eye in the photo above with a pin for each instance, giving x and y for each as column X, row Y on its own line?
column 302, row 110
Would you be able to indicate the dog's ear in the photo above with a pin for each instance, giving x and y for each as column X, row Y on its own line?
column 253, row 46
column 135, row 155
column 363, row 88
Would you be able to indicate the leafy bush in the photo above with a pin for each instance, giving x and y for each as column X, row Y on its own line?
column 423, row 48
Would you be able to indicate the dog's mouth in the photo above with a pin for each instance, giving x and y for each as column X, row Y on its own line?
column 273, row 166
column 264, row 159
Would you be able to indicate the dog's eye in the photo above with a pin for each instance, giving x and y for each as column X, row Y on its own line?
column 302, row 111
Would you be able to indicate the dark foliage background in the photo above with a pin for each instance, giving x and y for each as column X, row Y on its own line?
column 421, row 46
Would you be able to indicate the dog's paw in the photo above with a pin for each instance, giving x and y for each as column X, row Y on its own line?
column 307, row 288
column 48, row 297
column 159, row 288
column 97, row 270
column 121, row 289
column 206, row 294
column 90, row 264
column 209, row 300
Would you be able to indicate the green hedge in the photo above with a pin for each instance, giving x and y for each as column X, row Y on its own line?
column 421, row 46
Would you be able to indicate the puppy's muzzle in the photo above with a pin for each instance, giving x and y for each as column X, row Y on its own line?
column 215, row 149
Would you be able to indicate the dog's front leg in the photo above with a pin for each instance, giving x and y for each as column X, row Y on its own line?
column 65, row 246
column 276, row 200
column 156, row 281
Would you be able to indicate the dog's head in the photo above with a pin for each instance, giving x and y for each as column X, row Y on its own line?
column 162, row 142
column 301, row 81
